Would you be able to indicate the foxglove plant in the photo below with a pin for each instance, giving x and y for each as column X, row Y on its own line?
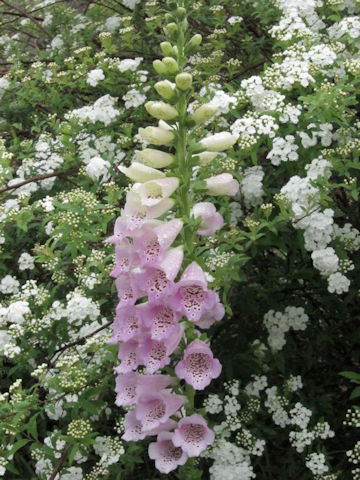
column 163, row 292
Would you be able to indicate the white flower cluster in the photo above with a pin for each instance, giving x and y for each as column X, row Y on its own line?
column 80, row 307
column 301, row 439
column 101, row 111
column 347, row 26
column 349, row 237
column 129, row 64
column 109, row 449
column 325, row 260
column 26, row 261
column 251, row 186
column 230, row 462
column 133, row 98
column 9, row 285
column 258, row 384
column 324, row 133
column 15, row 312
column 316, row 463
column 95, row 76
column 253, row 125
column 112, row 24
column 278, row 323
column 4, row 84
column 283, row 150
column 288, row 74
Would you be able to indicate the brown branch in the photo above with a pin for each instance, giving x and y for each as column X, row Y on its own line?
column 60, row 464
column 29, row 16
column 39, row 177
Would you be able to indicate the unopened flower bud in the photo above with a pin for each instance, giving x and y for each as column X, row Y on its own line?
column 218, row 142
column 206, row 157
column 204, row 113
column 169, row 17
column 223, row 184
column 193, row 43
column 154, row 158
column 183, row 80
column 171, row 64
column 171, row 30
column 165, row 88
column 141, row 173
column 156, row 135
column 181, row 13
column 167, row 49
column 161, row 110
column 159, row 67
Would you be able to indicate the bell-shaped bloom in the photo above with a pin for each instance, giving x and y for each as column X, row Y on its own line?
column 159, row 282
column 154, row 158
column 130, row 386
column 156, row 135
column 128, row 289
column 154, row 191
column 218, row 142
column 162, row 321
column 223, row 184
column 129, row 357
column 155, row 354
column 192, row 297
column 128, row 323
column 139, row 172
column 193, row 435
column 210, row 219
column 155, row 408
column 215, row 314
column 125, row 258
column 152, row 244
column 134, row 431
column 167, row 457
column 198, row 367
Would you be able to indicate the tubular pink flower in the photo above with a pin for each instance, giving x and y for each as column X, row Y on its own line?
column 210, row 219
column 167, row 457
column 130, row 386
column 162, row 322
column 193, row 435
column 128, row 289
column 134, row 431
column 129, row 357
column 198, row 366
column 153, row 409
column 128, row 323
column 192, row 297
column 223, row 184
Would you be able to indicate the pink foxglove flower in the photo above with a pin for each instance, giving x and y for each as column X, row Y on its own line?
column 213, row 315
column 159, row 282
column 193, row 435
column 130, row 386
column 198, row 366
column 128, row 323
column 210, row 219
column 167, row 457
column 162, row 321
column 134, row 431
column 129, row 356
column 192, row 297
column 155, row 354
column 223, row 184
column 153, row 409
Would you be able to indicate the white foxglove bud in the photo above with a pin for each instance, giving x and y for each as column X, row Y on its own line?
column 218, row 142
column 141, row 173
column 154, row 158
column 159, row 67
column 167, row 49
column 183, row 80
column 170, row 64
column 165, row 88
column 161, row 110
column 223, row 184
column 156, row 135
column 204, row 113
column 206, row 157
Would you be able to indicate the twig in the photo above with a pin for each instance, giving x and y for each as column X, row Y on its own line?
column 60, row 464
column 29, row 16
column 39, row 177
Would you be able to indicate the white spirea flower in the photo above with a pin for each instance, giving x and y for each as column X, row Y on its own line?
column 9, row 285
column 325, row 260
column 129, row 64
column 338, row 283
column 95, row 76
column 133, row 98
column 26, row 262
column 98, row 169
